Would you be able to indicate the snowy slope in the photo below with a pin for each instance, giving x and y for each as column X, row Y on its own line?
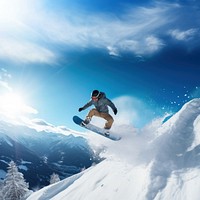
column 160, row 162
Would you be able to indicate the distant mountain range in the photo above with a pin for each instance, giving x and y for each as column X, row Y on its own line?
column 40, row 153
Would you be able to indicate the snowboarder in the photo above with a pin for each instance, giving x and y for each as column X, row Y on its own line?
column 101, row 103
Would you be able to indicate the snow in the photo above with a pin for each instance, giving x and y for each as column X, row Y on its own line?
column 25, row 162
column 157, row 162
column 22, row 167
column 50, row 191
column 182, row 185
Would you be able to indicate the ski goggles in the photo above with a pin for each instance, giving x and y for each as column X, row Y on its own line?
column 94, row 98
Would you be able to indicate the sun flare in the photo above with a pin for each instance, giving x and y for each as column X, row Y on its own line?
column 12, row 104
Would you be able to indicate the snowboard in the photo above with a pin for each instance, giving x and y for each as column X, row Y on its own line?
column 95, row 129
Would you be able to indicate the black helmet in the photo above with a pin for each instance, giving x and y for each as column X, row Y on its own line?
column 95, row 93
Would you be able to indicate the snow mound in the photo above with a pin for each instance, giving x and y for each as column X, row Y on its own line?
column 158, row 162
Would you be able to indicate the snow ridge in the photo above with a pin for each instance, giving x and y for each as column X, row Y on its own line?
column 176, row 137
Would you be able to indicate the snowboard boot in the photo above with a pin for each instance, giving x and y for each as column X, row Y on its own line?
column 86, row 121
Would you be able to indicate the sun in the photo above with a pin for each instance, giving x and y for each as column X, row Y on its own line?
column 13, row 104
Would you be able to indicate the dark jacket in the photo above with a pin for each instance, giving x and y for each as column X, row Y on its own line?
column 102, row 104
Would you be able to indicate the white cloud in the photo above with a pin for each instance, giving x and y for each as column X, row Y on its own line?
column 135, row 30
column 153, row 44
column 4, row 86
column 30, row 29
column 20, row 50
column 4, row 74
column 4, row 77
column 19, row 37
column 113, row 51
column 183, row 35
column 132, row 111
column 130, row 32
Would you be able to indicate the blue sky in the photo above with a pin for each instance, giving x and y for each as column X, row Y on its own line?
column 143, row 54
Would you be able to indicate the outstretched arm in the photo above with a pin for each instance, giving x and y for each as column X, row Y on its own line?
column 85, row 106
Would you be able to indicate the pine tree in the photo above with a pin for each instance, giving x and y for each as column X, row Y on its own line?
column 15, row 187
column 54, row 178
column 1, row 194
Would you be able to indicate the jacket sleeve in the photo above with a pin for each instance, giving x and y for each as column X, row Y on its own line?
column 111, row 104
column 87, row 105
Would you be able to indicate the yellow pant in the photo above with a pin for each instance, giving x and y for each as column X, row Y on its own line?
column 106, row 116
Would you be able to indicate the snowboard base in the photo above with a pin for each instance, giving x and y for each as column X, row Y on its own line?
column 95, row 129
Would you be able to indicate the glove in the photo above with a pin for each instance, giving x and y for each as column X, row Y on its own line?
column 80, row 109
column 115, row 111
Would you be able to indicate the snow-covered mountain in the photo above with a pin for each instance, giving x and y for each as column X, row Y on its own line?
column 158, row 162
column 40, row 149
column 33, row 167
